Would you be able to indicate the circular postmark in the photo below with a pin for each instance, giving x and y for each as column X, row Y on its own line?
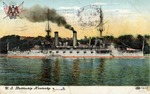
column 89, row 16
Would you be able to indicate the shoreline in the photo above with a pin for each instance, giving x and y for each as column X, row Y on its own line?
column 45, row 57
column 42, row 57
column 3, row 55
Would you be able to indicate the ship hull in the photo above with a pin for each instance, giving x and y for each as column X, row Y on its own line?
column 103, row 56
column 40, row 57
column 72, row 54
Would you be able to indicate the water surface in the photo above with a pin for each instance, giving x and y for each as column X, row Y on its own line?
column 77, row 72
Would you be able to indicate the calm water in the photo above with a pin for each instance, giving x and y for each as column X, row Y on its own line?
column 112, row 72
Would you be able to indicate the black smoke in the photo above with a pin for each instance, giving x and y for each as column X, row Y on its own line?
column 41, row 14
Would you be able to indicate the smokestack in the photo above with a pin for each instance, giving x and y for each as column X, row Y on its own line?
column 56, row 38
column 74, row 38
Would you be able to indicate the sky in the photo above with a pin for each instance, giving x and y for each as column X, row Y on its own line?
column 121, row 17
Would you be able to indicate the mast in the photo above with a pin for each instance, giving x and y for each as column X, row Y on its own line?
column 48, row 29
column 101, row 23
column 7, row 46
column 48, row 18
column 101, row 16
column 143, row 46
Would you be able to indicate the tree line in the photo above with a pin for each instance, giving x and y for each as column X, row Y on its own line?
column 16, row 42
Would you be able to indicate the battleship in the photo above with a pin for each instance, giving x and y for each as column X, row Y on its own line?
column 100, row 49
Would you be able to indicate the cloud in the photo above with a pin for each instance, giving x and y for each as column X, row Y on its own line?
column 121, row 11
column 1, row 8
column 99, row 3
column 74, row 7
column 103, row 3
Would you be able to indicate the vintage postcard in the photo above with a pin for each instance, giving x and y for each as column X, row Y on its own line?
column 74, row 46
